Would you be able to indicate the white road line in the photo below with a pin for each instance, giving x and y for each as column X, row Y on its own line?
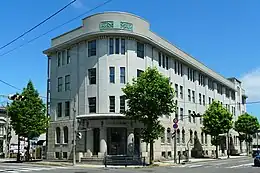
column 195, row 166
column 238, row 166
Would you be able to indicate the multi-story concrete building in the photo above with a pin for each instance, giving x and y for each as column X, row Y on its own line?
column 88, row 66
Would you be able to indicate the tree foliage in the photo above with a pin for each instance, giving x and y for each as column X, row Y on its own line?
column 246, row 124
column 216, row 120
column 28, row 117
column 149, row 97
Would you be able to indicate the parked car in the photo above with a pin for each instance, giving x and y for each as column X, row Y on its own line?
column 257, row 160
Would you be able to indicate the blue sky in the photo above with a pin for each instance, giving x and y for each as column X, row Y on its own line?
column 224, row 35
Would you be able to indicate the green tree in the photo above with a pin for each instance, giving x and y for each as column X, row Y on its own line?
column 216, row 120
column 247, row 125
column 149, row 97
column 28, row 117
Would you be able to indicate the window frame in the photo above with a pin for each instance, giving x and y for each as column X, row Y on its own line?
column 60, row 81
column 112, row 104
column 122, row 75
column 122, row 103
column 59, row 109
column 67, row 83
column 92, row 48
column 92, row 104
column 67, row 109
column 140, row 50
column 112, row 75
column 92, row 76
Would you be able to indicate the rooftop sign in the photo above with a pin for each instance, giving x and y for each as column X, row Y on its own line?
column 115, row 25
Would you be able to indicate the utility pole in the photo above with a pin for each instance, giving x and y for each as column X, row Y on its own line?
column 228, row 151
column 74, row 131
column 175, row 146
column 7, row 132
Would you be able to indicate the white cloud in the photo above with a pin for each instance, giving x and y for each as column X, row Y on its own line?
column 78, row 4
column 251, row 84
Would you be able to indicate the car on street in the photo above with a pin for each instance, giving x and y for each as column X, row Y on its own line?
column 257, row 160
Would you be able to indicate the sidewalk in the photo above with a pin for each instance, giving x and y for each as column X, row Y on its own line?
column 195, row 160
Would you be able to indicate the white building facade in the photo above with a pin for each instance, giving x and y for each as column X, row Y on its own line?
column 88, row 66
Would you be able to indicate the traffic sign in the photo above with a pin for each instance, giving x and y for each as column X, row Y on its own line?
column 175, row 126
column 175, row 120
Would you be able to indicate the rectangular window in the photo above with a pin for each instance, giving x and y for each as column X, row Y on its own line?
column 111, row 46
column 189, row 95
column 181, row 114
column 181, row 70
column 227, row 93
column 63, row 57
column 122, row 104
column 139, row 72
column 200, row 98
column 112, row 74
column 122, row 46
column 203, row 98
column 117, row 45
column 92, row 76
column 122, row 74
column 176, row 90
column 209, row 100
column 194, row 119
column 112, row 104
column 177, row 113
column 181, row 92
column 163, row 61
column 175, row 66
column 68, row 55
column 233, row 95
column 193, row 96
column 92, row 48
column 59, row 84
column 67, row 82
column 67, row 109
column 59, row 109
column 92, row 104
column 219, row 88
column 167, row 63
column 59, row 59
column 65, row 155
column 140, row 50
column 189, row 114
column 57, row 155
column 160, row 58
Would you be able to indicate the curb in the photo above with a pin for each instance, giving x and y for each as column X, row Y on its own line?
column 51, row 163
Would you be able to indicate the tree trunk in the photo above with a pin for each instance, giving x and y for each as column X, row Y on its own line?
column 247, row 148
column 216, row 151
column 151, row 153
column 241, row 147
column 18, row 154
column 28, row 151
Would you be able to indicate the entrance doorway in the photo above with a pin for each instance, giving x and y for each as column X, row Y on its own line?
column 96, row 141
column 116, row 140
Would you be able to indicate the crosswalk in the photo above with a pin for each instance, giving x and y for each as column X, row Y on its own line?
column 13, row 169
column 227, row 166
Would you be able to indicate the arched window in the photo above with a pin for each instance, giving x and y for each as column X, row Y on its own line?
column 57, row 135
column 178, row 136
column 191, row 137
column 183, row 136
column 206, row 139
column 66, row 134
column 202, row 138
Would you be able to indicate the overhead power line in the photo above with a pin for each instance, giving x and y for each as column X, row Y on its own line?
column 39, row 24
column 53, row 29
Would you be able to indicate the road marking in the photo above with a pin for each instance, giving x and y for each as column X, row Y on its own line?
column 238, row 166
column 195, row 166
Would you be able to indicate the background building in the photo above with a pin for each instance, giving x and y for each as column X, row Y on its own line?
column 88, row 66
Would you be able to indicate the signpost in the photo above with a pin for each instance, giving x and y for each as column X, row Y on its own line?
column 175, row 127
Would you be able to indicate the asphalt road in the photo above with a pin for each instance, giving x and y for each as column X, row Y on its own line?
column 241, row 165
